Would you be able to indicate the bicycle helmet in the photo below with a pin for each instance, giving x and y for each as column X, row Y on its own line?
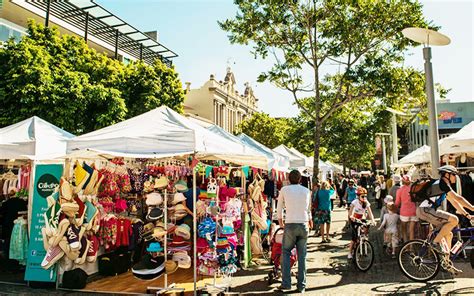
column 448, row 169
column 361, row 191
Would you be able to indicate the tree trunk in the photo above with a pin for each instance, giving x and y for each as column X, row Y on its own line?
column 317, row 143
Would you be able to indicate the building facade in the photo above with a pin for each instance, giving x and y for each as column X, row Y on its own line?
column 451, row 118
column 219, row 102
column 101, row 29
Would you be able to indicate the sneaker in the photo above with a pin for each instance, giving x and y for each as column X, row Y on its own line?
column 52, row 256
column 149, row 268
column 85, row 245
column 72, row 236
column 93, row 248
column 449, row 267
column 282, row 288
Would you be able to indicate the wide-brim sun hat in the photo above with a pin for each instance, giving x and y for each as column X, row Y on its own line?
column 154, row 199
column 396, row 178
column 184, row 231
column 178, row 197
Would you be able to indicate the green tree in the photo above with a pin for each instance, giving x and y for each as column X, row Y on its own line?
column 363, row 37
column 267, row 130
column 59, row 79
column 62, row 80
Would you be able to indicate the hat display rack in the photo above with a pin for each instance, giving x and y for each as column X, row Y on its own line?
column 167, row 287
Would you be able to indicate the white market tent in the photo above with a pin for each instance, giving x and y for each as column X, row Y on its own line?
column 296, row 161
column 161, row 133
column 261, row 163
column 276, row 160
column 420, row 155
column 460, row 142
column 33, row 138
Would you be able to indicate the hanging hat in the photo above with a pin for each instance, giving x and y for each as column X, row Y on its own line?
column 154, row 247
column 184, row 231
column 159, row 232
column 183, row 259
column 181, row 186
column 161, row 182
column 147, row 233
column 155, row 214
column 202, row 245
column 178, row 197
column 180, row 212
column 171, row 266
column 178, row 241
column 154, row 199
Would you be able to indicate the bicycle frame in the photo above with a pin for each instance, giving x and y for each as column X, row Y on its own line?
column 466, row 243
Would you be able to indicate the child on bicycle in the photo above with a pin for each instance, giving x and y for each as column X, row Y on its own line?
column 359, row 209
column 428, row 210
column 390, row 223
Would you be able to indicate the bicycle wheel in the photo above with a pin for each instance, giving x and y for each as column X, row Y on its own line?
column 418, row 261
column 364, row 256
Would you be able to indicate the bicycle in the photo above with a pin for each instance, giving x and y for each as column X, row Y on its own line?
column 363, row 251
column 420, row 261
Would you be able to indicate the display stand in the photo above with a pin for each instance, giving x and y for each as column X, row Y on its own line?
column 171, row 287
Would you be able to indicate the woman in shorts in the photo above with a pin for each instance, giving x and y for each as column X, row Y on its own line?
column 407, row 210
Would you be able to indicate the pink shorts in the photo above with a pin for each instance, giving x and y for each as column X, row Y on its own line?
column 408, row 218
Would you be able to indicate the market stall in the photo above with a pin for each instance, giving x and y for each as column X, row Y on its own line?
column 296, row 161
column 276, row 161
column 157, row 147
column 26, row 149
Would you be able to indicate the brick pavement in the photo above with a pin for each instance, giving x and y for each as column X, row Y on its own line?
column 330, row 273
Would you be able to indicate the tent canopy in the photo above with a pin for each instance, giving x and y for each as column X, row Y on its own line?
column 420, row 155
column 258, row 162
column 296, row 161
column 162, row 132
column 276, row 160
column 33, row 138
column 460, row 142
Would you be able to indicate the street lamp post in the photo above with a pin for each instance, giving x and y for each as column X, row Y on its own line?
column 428, row 37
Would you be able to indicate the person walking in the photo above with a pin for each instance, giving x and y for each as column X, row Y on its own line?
column 296, row 200
column 390, row 224
column 396, row 185
column 407, row 208
column 341, row 189
column 322, row 218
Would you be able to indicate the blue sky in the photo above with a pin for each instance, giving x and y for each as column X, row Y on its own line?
column 189, row 28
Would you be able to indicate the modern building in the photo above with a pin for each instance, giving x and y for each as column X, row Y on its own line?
column 220, row 103
column 451, row 118
column 102, row 30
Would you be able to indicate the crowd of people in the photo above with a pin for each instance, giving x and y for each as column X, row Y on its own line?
column 400, row 215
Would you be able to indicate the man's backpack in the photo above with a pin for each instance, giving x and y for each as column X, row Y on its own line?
column 420, row 190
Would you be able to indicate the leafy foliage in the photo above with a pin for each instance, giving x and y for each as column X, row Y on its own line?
column 267, row 130
column 62, row 80
column 363, row 37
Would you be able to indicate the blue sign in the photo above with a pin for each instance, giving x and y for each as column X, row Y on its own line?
column 47, row 178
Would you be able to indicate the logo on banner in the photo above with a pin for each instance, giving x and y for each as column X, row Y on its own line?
column 46, row 185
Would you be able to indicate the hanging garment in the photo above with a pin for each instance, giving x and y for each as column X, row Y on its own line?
column 19, row 241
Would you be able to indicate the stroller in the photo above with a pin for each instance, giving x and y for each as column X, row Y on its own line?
column 275, row 258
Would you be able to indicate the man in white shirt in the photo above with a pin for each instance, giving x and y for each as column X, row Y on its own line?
column 296, row 200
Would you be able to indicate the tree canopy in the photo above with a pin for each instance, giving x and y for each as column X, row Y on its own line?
column 62, row 80
column 267, row 130
column 302, row 37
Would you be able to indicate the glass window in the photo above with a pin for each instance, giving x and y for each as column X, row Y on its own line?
column 4, row 32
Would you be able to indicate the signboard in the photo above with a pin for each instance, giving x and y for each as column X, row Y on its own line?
column 47, row 178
